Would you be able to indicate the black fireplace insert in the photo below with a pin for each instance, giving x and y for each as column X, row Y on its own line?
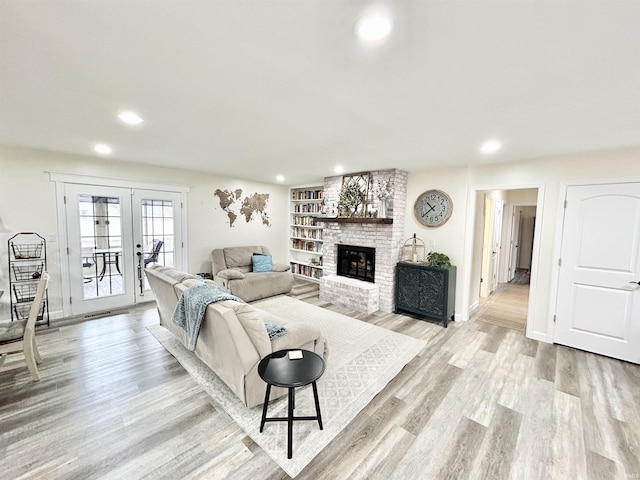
column 357, row 262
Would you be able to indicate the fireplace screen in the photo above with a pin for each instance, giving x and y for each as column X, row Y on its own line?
column 357, row 262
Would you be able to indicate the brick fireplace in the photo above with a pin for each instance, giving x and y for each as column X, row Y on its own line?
column 386, row 237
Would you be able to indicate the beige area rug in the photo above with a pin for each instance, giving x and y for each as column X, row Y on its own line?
column 362, row 359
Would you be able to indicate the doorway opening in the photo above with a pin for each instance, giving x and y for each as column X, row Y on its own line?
column 503, row 247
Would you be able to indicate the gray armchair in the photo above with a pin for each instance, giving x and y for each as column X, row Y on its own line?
column 233, row 269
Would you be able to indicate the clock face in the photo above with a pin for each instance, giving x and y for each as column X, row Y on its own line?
column 433, row 208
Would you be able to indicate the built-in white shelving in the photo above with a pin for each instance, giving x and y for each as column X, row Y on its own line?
column 305, row 233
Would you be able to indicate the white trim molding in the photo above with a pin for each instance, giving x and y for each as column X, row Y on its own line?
column 115, row 182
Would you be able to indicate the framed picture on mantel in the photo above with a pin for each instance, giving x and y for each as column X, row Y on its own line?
column 354, row 195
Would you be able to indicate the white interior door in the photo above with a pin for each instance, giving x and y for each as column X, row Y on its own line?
column 514, row 242
column 598, row 305
column 495, row 243
column 491, row 245
column 485, row 282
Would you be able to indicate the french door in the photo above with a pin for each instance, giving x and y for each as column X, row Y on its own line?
column 112, row 233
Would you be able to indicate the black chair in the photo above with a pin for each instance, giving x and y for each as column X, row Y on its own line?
column 88, row 262
column 153, row 257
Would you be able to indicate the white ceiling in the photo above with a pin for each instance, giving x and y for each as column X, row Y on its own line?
column 251, row 89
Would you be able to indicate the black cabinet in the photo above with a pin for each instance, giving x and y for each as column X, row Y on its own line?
column 425, row 290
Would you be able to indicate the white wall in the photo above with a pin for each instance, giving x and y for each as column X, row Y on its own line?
column 462, row 183
column 28, row 203
column 523, row 196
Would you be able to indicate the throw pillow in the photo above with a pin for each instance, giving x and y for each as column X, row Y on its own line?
column 261, row 263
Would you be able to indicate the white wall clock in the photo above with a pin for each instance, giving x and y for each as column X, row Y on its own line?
column 433, row 208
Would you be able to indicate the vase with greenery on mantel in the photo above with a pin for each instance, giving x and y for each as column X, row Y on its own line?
column 383, row 191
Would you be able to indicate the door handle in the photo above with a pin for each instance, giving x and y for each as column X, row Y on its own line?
column 633, row 286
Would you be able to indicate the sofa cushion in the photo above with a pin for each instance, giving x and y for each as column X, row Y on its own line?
column 231, row 274
column 280, row 267
column 192, row 282
column 174, row 273
column 235, row 257
column 262, row 284
column 10, row 331
column 251, row 320
column 298, row 334
column 261, row 263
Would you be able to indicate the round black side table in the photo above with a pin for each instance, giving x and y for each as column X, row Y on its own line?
column 279, row 370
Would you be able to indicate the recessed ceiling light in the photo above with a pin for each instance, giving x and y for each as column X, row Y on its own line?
column 280, row 178
column 338, row 169
column 130, row 118
column 490, row 146
column 102, row 148
column 375, row 26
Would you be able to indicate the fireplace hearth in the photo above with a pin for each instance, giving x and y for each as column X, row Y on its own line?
column 357, row 262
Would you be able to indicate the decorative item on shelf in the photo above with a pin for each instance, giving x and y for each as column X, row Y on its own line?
column 383, row 191
column 438, row 260
column 413, row 250
column 353, row 196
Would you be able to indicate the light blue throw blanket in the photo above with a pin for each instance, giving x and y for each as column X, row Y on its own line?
column 274, row 330
column 192, row 306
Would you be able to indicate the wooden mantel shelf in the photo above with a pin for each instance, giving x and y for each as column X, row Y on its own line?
column 386, row 221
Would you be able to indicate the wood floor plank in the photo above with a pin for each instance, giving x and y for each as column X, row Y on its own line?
column 567, row 445
column 382, row 460
column 567, row 379
column 462, row 451
column 599, row 467
column 545, row 363
column 533, row 449
column 497, row 451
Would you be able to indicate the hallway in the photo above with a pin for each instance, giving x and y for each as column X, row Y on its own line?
column 507, row 306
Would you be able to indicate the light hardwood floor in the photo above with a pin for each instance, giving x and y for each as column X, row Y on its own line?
column 480, row 401
column 507, row 306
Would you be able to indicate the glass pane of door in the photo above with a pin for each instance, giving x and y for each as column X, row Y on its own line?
column 157, row 223
column 101, row 245
column 157, row 226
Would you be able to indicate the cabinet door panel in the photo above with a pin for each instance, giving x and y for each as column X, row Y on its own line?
column 409, row 288
column 433, row 286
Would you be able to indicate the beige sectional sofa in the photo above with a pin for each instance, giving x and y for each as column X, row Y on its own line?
column 233, row 338
column 233, row 271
